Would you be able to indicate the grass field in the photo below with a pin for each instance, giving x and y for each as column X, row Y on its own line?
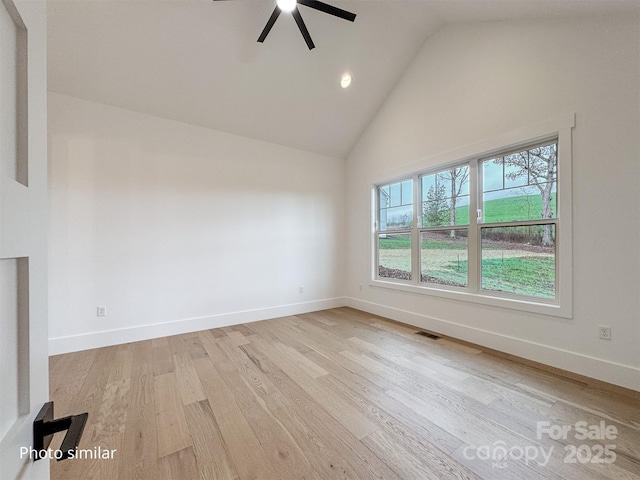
column 524, row 207
column 506, row 266
column 532, row 275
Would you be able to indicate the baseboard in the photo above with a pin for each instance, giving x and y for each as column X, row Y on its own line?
column 107, row 338
column 615, row 373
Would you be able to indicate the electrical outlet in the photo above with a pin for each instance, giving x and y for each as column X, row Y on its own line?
column 301, row 289
column 604, row 332
column 102, row 311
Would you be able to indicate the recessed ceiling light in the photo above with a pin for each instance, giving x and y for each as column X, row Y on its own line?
column 286, row 5
column 345, row 81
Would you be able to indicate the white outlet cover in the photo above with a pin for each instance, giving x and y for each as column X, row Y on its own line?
column 604, row 332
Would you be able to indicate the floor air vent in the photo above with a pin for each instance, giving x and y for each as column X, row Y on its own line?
column 429, row 335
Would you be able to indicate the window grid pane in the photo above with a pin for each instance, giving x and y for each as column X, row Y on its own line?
column 395, row 206
column 520, row 185
column 445, row 197
column 519, row 260
column 444, row 257
column 394, row 256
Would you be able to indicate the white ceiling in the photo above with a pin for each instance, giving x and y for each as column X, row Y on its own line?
column 197, row 61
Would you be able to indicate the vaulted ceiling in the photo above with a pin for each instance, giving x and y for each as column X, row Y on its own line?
column 197, row 61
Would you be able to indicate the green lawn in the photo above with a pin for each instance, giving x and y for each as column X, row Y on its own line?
column 505, row 268
column 533, row 276
column 501, row 210
column 524, row 207
column 395, row 242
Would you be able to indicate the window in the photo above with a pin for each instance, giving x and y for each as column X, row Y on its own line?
column 519, row 222
column 445, row 203
column 483, row 229
column 395, row 220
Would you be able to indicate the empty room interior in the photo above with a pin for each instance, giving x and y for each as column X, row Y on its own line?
column 391, row 239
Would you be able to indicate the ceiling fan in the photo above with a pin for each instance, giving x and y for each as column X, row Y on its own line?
column 292, row 7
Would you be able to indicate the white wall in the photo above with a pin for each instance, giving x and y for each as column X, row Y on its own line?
column 177, row 228
column 474, row 82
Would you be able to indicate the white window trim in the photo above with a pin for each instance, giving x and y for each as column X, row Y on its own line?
column 559, row 127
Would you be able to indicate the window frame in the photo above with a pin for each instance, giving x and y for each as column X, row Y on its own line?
column 558, row 129
column 421, row 228
column 378, row 232
column 481, row 224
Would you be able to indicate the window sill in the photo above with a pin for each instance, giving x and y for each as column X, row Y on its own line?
column 554, row 308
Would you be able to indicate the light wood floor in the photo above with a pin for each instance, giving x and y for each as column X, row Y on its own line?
column 337, row 394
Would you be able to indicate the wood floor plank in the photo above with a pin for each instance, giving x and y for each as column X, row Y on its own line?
column 416, row 461
column 500, row 468
column 91, row 393
column 89, row 464
column 359, row 461
column 397, row 340
column 71, row 374
column 196, row 350
column 285, row 455
column 627, row 439
column 171, row 424
column 245, row 450
column 245, row 330
column 162, row 361
column 160, row 342
column 141, row 353
column 142, row 385
column 452, row 378
column 396, row 329
column 237, row 338
column 112, row 415
column 458, row 346
column 578, row 399
column 304, row 333
column 336, row 394
column 218, row 333
column 417, row 363
column 472, row 430
column 140, row 454
column 123, row 363
column 364, row 390
column 180, row 464
column 319, row 317
column 178, row 343
column 189, row 385
column 302, row 362
column 326, row 462
column 208, row 443
column 335, row 404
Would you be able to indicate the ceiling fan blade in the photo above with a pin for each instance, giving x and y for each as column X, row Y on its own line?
column 330, row 9
column 303, row 28
column 269, row 25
